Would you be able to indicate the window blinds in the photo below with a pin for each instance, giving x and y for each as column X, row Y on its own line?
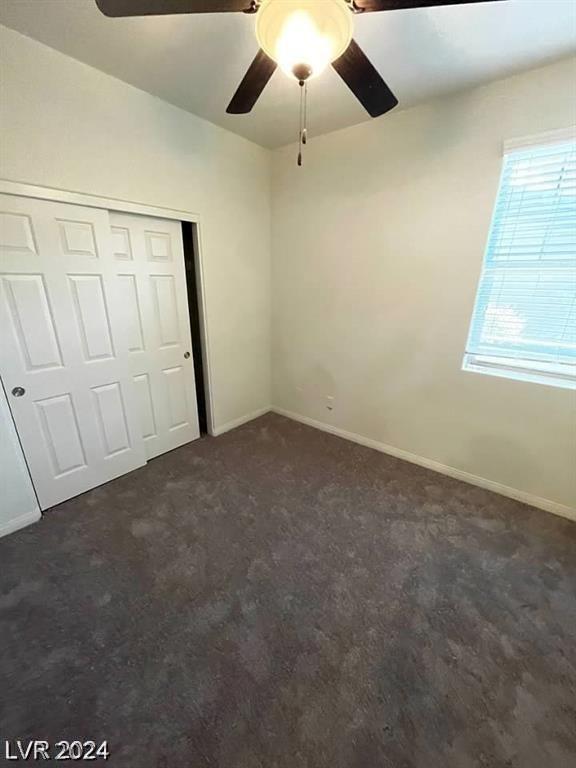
column 525, row 311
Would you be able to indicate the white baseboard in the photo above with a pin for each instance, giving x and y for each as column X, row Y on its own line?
column 238, row 422
column 20, row 522
column 482, row 482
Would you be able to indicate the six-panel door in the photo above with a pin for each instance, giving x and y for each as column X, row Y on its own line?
column 151, row 279
column 64, row 355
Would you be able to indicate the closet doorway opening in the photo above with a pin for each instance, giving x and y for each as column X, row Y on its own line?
column 192, row 266
column 105, row 359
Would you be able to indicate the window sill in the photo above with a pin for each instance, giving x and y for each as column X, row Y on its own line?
column 563, row 376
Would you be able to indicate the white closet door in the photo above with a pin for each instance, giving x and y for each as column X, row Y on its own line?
column 64, row 356
column 150, row 273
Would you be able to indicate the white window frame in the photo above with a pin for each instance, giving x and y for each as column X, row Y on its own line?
column 561, row 375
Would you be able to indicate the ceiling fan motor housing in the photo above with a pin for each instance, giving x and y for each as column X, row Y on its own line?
column 301, row 72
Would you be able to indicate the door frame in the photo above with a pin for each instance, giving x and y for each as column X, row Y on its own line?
column 21, row 189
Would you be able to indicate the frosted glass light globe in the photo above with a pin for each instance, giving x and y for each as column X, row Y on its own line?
column 304, row 32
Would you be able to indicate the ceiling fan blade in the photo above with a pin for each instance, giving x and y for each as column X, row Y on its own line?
column 252, row 85
column 117, row 8
column 364, row 81
column 397, row 5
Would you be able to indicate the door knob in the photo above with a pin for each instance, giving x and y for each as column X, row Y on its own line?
column 18, row 391
column 186, row 355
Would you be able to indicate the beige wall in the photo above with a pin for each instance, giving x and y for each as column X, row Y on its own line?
column 377, row 247
column 69, row 126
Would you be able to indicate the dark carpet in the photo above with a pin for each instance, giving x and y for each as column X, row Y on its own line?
column 280, row 598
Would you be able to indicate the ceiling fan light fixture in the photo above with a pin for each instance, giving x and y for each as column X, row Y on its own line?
column 304, row 35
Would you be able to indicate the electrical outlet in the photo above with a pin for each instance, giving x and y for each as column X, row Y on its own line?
column 329, row 403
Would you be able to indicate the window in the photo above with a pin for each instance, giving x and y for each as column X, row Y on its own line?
column 524, row 320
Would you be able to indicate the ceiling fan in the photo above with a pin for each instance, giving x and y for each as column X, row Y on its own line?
column 302, row 36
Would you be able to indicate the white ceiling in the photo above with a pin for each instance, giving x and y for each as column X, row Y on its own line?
column 196, row 62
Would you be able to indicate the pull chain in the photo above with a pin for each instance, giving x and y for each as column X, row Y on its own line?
column 302, row 138
column 305, row 126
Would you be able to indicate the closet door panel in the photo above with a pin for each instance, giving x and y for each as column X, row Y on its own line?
column 149, row 263
column 64, row 360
